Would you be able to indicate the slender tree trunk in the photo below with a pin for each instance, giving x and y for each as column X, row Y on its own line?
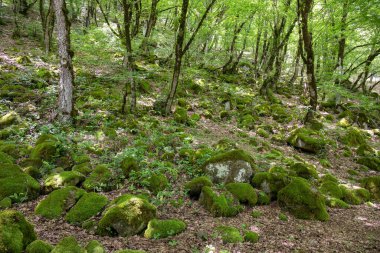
column 304, row 9
column 66, row 80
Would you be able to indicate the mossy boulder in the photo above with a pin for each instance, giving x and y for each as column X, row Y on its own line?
column 230, row 166
column 263, row 198
column 372, row 162
column 180, row 116
column 336, row 203
column 271, row 182
column 39, row 246
column 244, row 192
column 5, row 158
column 331, row 189
column 68, row 244
column 303, row 200
column 354, row 137
column 229, row 234
column 280, row 114
column 372, row 184
column 9, row 119
column 16, row 184
column 129, row 164
column 164, row 228
column 126, row 216
column 219, row 205
column 307, row 140
column 304, row 170
column 16, row 233
column 194, row 187
column 251, row 237
column 101, row 179
column 83, row 168
column 88, row 206
column 95, row 247
column 46, row 148
column 63, row 179
column 5, row 203
column 355, row 196
column 58, row 201
column 157, row 182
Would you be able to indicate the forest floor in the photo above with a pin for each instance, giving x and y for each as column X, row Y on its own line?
column 356, row 229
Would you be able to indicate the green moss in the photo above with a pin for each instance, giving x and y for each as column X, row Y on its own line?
column 14, row 150
column 5, row 203
column 371, row 162
column 223, row 205
column 99, row 180
column 8, row 119
column 95, row 247
column 354, row 137
column 304, row 170
column 243, row 192
column 157, row 182
column 302, row 200
column 372, row 184
column 15, row 232
column 247, row 121
column 283, row 217
column 224, row 115
column 355, row 196
column 263, row 198
column 336, row 203
column 307, row 140
column 63, row 179
column 129, row 164
column 256, row 214
column 180, row 115
column 68, row 244
column 251, row 237
column 39, row 246
column 127, row 215
column 83, row 168
column 164, row 228
column 130, row 251
column 331, row 189
column 329, row 177
column 46, row 148
column 261, row 132
column 194, row 187
column 229, row 234
column 5, row 158
column 270, row 183
column 315, row 125
column 88, row 206
column 365, row 150
column 16, row 184
column 59, row 201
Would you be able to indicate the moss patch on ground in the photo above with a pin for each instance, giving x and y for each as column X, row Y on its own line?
column 164, row 228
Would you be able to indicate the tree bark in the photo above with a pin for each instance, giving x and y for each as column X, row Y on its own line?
column 66, row 80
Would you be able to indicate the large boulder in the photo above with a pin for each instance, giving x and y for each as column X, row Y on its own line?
column 229, row 167
column 15, row 232
column 101, row 179
column 16, row 184
column 303, row 200
column 164, row 228
column 127, row 215
column 307, row 140
column 63, row 179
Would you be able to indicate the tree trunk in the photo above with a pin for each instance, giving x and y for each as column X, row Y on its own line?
column 66, row 80
column 304, row 9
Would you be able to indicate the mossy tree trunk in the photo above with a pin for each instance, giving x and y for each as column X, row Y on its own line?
column 66, row 80
column 304, row 10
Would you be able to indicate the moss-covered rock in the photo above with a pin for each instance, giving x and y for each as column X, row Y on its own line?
column 230, row 166
column 129, row 164
column 5, row 158
column 229, row 234
column 304, row 170
column 180, row 115
column 307, row 140
column 88, row 206
column 354, row 137
column 16, row 233
column 16, row 184
column 39, row 246
column 372, row 162
column 219, row 205
column 9, row 119
column 46, row 148
column 83, row 168
column 5, row 203
column 164, row 228
column 68, row 244
column 95, row 247
column 251, row 237
column 157, row 182
column 244, row 192
column 101, row 179
column 263, row 198
column 336, row 203
column 329, row 177
column 194, row 187
column 355, row 196
column 302, row 200
column 127, row 215
column 270, row 182
column 63, row 179
column 331, row 189
column 59, row 201
column 262, row 132
column 372, row 184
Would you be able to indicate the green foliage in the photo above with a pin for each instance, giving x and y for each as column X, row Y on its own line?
column 251, row 237
column 157, row 182
column 101, row 179
column 354, row 137
column 256, row 214
column 164, row 228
